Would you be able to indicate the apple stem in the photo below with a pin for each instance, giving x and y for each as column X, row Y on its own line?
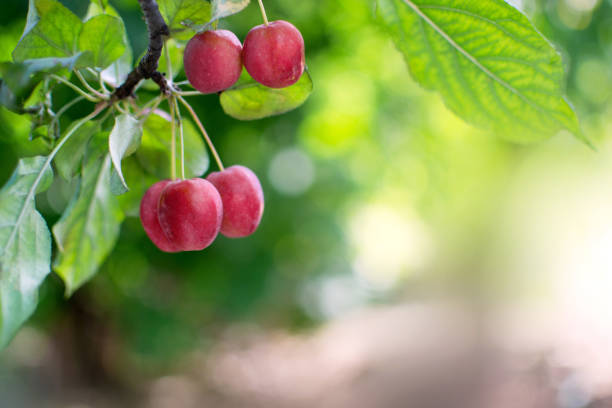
column 169, row 74
column 149, row 108
column 211, row 146
column 173, row 142
column 263, row 12
column 181, row 138
column 121, row 109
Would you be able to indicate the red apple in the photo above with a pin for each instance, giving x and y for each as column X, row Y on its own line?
column 274, row 54
column 150, row 221
column 243, row 201
column 212, row 60
column 190, row 213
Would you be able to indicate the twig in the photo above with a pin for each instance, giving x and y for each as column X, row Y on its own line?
column 147, row 67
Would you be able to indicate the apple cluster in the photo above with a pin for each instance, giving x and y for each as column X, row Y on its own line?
column 273, row 54
column 187, row 215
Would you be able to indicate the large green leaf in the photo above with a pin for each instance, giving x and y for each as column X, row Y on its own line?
column 489, row 63
column 248, row 100
column 90, row 226
column 154, row 152
column 124, row 139
column 67, row 160
column 20, row 79
column 25, row 244
column 105, row 38
column 116, row 73
column 177, row 12
column 51, row 31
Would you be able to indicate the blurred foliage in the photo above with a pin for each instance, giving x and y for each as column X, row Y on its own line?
column 373, row 188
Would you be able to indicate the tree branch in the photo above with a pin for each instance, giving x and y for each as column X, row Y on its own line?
column 147, row 67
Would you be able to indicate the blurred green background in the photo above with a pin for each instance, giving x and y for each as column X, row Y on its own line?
column 375, row 194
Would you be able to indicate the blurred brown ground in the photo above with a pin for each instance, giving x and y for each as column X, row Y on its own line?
column 410, row 355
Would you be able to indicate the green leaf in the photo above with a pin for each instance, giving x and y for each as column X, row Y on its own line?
column 175, row 12
column 116, row 73
column 51, row 31
column 124, row 139
column 25, row 244
column 90, row 226
column 104, row 36
column 97, row 8
column 225, row 8
column 248, row 100
column 120, row 69
column 67, row 160
column 97, row 5
column 154, row 153
column 489, row 63
column 14, row 127
column 140, row 181
column 220, row 9
column 20, row 79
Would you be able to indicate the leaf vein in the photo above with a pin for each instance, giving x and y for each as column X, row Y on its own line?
column 495, row 23
column 476, row 62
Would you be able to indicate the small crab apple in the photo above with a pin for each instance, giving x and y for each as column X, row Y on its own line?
column 181, row 215
column 150, row 220
column 190, row 213
column 274, row 54
column 212, row 60
column 243, row 201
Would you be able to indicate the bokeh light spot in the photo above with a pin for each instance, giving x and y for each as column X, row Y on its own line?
column 291, row 172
